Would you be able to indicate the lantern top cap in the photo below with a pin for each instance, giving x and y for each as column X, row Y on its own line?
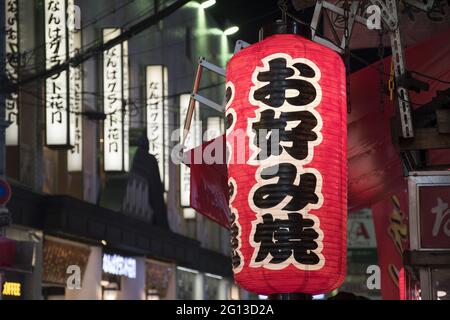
column 284, row 27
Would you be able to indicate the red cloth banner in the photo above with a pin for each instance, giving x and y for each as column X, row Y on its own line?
column 209, row 194
column 390, row 218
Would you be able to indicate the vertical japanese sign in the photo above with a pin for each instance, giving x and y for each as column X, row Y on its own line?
column 166, row 128
column 193, row 139
column 286, row 165
column 12, row 68
column 115, row 105
column 390, row 217
column 126, row 99
column 75, row 155
column 157, row 118
column 57, row 108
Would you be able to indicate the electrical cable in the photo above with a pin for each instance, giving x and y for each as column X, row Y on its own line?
column 365, row 62
column 139, row 15
column 430, row 77
column 84, row 26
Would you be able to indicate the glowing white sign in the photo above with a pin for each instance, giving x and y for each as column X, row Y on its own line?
column 126, row 99
column 57, row 108
column 11, row 69
column 157, row 119
column 119, row 266
column 75, row 155
column 115, row 105
column 215, row 128
column 193, row 139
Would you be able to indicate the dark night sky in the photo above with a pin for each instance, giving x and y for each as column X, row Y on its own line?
column 251, row 15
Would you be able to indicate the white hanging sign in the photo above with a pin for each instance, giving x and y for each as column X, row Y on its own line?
column 126, row 99
column 11, row 69
column 215, row 128
column 75, row 155
column 115, row 105
column 57, row 108
column 157, row 118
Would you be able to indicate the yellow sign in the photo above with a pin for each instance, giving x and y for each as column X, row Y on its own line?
column 12, row 289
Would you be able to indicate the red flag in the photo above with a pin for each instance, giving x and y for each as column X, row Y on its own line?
column 209, row 182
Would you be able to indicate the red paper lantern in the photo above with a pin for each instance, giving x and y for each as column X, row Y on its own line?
column 288, row 191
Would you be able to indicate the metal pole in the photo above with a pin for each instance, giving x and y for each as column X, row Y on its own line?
column 5, row 217
column 190, row 112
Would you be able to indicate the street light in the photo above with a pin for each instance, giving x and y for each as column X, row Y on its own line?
column 231, row 30
column 207, row 4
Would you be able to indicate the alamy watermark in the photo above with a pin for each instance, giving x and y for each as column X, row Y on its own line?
column 74, row 279
column 374, row 17
column 373, row 281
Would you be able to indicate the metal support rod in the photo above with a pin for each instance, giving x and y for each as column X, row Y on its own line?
column 190, row 112
column 209, row 103
column 340, row 11
column 424, row 6
column 399, row 71
column 212, row 67
column 388, row 17
column 351, row 20
column 240, row 45
column 321, row 7
column 5, row 217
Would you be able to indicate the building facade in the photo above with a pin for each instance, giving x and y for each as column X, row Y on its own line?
column 95, row 192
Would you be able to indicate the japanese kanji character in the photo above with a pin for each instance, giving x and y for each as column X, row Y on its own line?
column 298, row 136
column 279, row 78
column 284, row 238
column 272, row 194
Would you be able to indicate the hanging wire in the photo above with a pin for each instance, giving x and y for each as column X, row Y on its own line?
column 347, row 52
column 381, row 59
column 282, row 4
column 365, row 62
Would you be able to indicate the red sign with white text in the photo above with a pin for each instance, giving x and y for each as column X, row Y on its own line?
column 435, row 216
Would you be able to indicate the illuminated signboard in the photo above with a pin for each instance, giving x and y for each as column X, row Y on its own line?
column 12, row 289
column 157, row 118
column 119, row 266
column 57, row 108
column 193, row 139
column 215, row 127
column 166, row 128
column 75, row 155
column 11, row 69
column 115, row 105
column 126, row 99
